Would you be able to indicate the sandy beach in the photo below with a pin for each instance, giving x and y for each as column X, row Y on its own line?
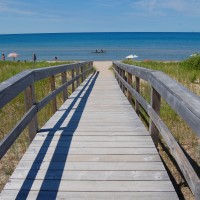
column 103, row 64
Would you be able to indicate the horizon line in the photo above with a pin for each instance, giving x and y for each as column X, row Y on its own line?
column 100, row 32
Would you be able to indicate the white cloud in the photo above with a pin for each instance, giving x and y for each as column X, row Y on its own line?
column 21, row 10
column 154, row 7
column 11, row 7
column 111, row 3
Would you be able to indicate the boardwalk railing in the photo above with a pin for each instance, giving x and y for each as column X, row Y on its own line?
column 180, row 99
column 24, row 81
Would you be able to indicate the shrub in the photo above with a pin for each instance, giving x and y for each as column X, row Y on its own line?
column 192, row 63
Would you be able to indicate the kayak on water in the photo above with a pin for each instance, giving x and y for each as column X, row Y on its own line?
column 99, row 51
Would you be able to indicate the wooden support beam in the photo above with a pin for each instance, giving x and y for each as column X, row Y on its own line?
column 82, row 77
column 53, row 87
column 73, row 86
column 123, row 76
column 137, row 88
column 130, row 83
column 29, row 97
column 120, row 72
column 77, row 73
column 155, row 103
column 64, row 80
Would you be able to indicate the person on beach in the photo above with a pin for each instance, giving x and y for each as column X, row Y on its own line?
column 3, row 57
column 55, row 58
column 34, row 58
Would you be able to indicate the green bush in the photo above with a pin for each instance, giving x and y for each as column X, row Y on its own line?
column 192, row 63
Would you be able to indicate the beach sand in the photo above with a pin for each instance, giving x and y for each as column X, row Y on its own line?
column 104, row 65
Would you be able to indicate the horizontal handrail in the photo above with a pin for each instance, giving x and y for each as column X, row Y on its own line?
column 10, row 88
column 184, row 102
column 178, row 97
column 24, row 81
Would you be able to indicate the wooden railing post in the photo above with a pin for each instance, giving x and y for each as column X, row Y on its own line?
column 77, row 73
column 82, row 77
column 123, row 76
column 155, row 103
column 130, row 83
column 65, row 91
column 53, row 87
column 29, row 95
column 117, row 69
column 120, row 72
column 137, row 88
column 73, row 86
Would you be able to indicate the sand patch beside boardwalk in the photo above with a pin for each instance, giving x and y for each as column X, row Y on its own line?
column 103, row 65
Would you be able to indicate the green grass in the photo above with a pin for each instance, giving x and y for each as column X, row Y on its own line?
column 10, row 68
column 189, row 77
column 192, row 63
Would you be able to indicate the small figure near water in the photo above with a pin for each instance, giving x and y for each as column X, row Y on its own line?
column 34, row 57
column 3, row 57
column 55, row 58
column 99, row 51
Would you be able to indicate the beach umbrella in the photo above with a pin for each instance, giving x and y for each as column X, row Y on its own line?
column 13, row 55
column 194, row 54
column 131, row 56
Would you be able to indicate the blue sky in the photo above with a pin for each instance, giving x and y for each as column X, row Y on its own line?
column 45, row 16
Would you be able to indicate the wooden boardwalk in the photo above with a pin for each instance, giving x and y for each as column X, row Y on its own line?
column 94, row 147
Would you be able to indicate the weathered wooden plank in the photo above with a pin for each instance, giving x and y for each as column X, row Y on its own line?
column 114, row 166
column 93, row 175
column 92, row 138
column 90, row 121
column 137, row 132
column 94, row 186
column 74, row 144
column 11, row 194
column 95, row 151
column 61, row 157
column 91, row 128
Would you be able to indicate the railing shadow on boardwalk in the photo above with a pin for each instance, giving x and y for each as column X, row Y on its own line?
column 60, row 150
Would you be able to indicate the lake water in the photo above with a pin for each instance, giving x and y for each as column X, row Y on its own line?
column 81, row 46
